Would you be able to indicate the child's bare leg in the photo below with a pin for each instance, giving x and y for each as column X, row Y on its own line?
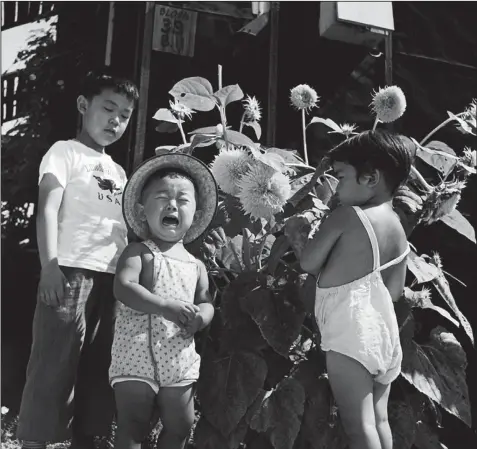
column 352, row 387
column 381, row 396
column 176, row 408
column 135, row 402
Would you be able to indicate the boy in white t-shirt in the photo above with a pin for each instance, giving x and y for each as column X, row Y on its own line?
column 81, row 234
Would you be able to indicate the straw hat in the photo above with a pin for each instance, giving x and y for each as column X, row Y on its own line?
column 204, row 183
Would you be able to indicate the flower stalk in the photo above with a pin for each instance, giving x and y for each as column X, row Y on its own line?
column 303, row 125
column 181, row 129
column 437, row 128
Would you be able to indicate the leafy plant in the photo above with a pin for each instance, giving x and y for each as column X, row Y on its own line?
column 263, row 381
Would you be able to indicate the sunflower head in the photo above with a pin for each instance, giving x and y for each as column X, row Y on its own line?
column 304, row 97
column 181, row 110
column 389, row 104
column 263, row 191
column 228, row 168
column 253, row 112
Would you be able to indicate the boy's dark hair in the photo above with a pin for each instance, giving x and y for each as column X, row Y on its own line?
column 173, row 173
column 95, row 82
column 392, row 154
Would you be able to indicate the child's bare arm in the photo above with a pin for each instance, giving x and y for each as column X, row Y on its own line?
column 129, row 291
column 204, row 301
column 203, row 298
column 318, row 249
column 53, row 283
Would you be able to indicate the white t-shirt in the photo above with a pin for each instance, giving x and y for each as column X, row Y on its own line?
column 91, row 229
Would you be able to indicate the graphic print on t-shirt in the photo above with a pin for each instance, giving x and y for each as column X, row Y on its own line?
column 108, row 185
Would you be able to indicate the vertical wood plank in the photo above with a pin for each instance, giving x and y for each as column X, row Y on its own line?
column 388, row 65
column 273, row 74
column 144, row 85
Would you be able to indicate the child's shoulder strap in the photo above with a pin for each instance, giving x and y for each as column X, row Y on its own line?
column 149, row 244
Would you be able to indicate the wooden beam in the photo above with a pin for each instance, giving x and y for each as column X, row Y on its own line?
column 220, row 8
column 273, row 74
column 144, row 85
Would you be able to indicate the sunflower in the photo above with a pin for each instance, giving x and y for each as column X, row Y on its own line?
column 228, row 168
column 304, row 97
column 389, row 104
column 263, row 191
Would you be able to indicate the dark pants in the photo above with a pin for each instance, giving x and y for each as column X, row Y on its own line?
column 67, row 386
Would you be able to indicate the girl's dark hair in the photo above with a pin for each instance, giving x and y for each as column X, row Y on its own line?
column 95, row 82
column 391, row 154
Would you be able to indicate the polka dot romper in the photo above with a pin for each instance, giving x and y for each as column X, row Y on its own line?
column 149, row 348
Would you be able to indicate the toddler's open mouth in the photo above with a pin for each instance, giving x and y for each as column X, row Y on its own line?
column 170, row 221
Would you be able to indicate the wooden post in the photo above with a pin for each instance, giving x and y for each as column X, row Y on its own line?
column 144, row 85
column 273, row 74
column 388, row 65
column 388, row 54
column 109, row 39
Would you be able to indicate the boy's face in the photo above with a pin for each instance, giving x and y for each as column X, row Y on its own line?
column 105, row 116
column 351, row 191
column 169, row 207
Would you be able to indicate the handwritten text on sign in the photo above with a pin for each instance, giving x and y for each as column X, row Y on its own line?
column 174, row 30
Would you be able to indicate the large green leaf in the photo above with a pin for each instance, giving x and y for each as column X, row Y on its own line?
column 279, row 317
column 270, row 157
column 228, row 386
column 167, row 127
column 237, row 220
column 240, row 331
column 165, row 115
column 416, row 299
column 231, row 310
column 206, row 436
column 426, row 437
column 256, row 127
column 402, row 419
column 289, row 156
column 196, row 93
column 439, row 156
column 279, row 248
column 280, row 414
column 458, row 222
column 300, row 182
column 442, row 286
column 199, row 140
column 422, row 270
column 229, row 94
column 278, row 367
column 434, row 370
column 239, row 139
column 326, row 121
column 321, row 427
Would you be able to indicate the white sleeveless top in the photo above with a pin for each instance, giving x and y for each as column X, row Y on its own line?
column 357, row 319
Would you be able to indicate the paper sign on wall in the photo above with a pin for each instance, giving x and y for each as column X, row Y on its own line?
column 174, row 30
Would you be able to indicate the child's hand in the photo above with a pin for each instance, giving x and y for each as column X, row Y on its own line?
column 193, row 326
column 180, row 312
column 53, row 285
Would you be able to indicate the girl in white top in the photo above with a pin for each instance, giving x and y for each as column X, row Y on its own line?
column 355, row 292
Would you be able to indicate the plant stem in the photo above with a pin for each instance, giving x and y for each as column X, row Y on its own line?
column 421, row 179
column 444, row 123
column 220, row 76
column 375, row 123
column 303, row 124
column 179, row 124
column 241, row 122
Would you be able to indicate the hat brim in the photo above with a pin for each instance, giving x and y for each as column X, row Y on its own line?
column 207, row 193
